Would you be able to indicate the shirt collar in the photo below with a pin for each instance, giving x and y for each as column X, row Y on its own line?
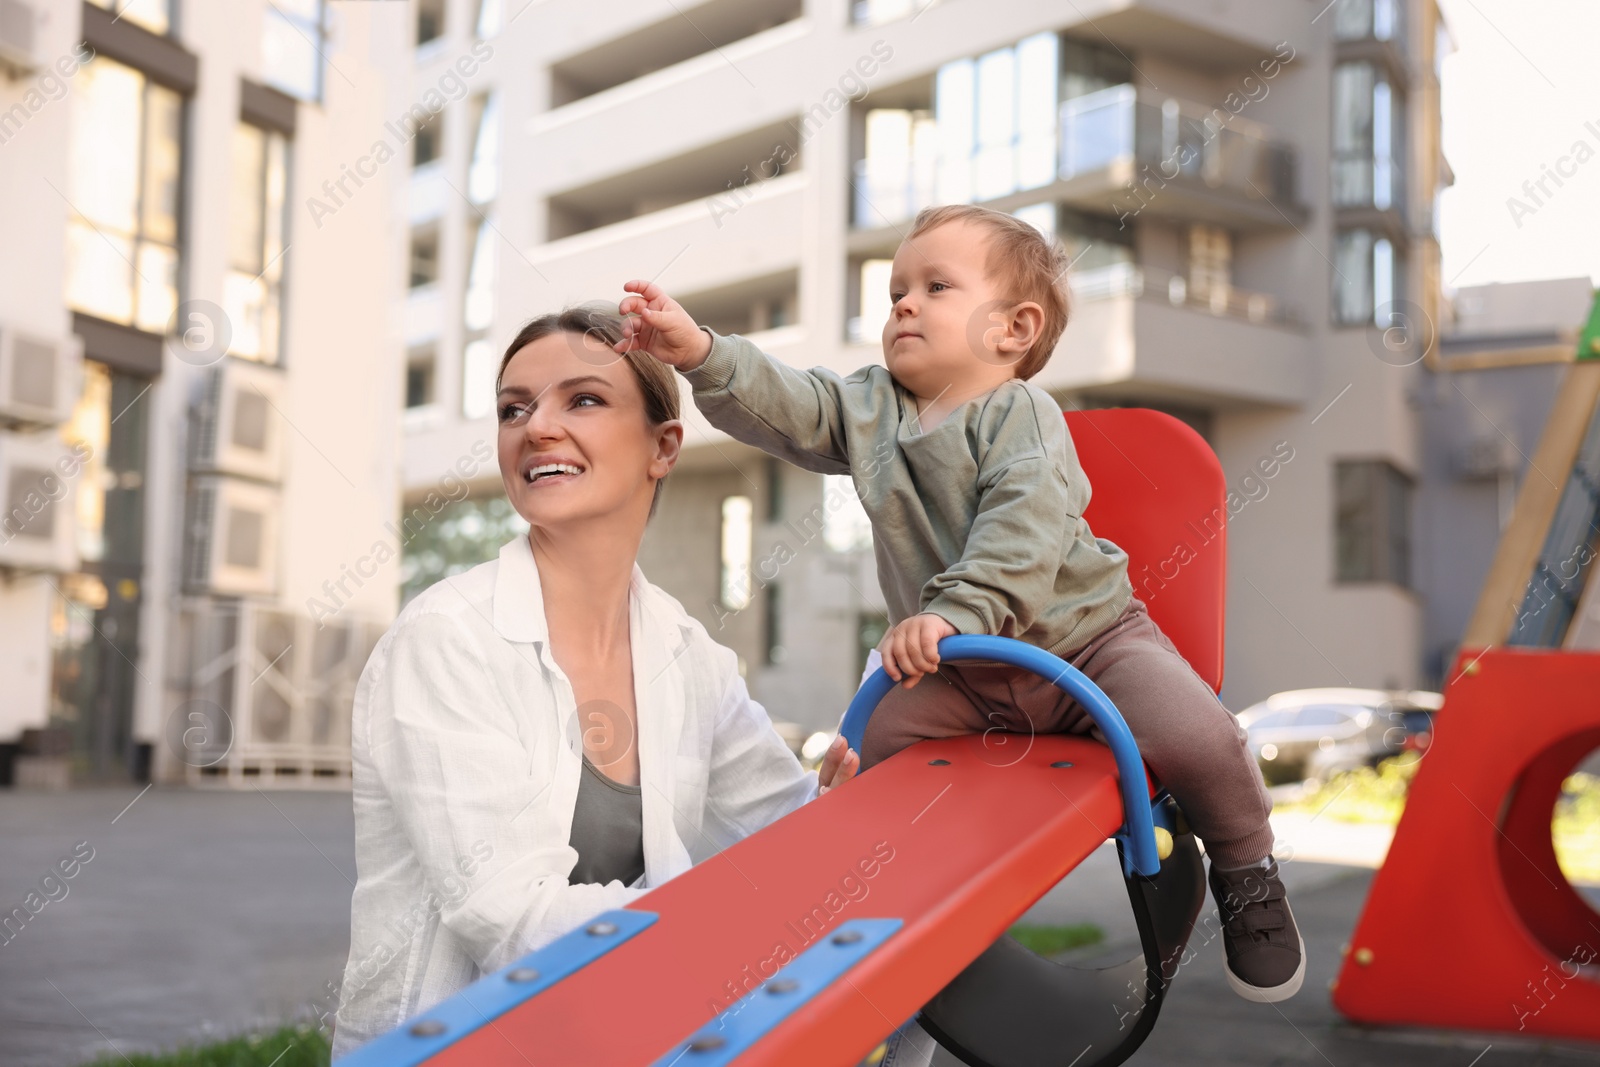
column 519, row 598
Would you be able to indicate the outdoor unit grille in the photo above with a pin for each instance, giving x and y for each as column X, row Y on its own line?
column 262, row 696
column 39, row 378
column 38, row 483
column 237, row 426
column 230, row 537
column 17, row 22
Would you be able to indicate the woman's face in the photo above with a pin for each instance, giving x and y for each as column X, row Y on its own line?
column 574, row 442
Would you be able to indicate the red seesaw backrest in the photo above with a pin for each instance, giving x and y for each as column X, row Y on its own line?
column 1157, row 490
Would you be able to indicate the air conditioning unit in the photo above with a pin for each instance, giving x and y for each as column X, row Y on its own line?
column 18, row 52
column 231, row 537
column 38, row 478
column 237, row 426
column 39, row 378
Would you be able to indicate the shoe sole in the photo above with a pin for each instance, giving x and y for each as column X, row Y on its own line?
column 1272, row 994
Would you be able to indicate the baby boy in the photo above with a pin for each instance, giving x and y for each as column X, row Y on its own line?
column 976, row 499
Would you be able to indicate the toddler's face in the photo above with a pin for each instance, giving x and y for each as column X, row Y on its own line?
column 939, row 334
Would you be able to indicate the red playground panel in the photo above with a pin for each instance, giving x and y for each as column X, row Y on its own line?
column 1470, row 922
column 957, row 851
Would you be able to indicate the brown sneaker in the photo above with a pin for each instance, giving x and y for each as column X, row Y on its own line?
column 1266, row 960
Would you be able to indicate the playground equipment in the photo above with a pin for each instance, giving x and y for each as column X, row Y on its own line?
column 1470, row 922
column 813, row 939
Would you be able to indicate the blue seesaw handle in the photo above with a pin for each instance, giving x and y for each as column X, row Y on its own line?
column 1138, row 830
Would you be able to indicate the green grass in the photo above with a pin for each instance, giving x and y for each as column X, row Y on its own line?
column 287, row 1046
column 1379, row 796
column 1054, row 940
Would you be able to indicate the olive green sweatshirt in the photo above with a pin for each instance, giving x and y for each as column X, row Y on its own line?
column 979, row 520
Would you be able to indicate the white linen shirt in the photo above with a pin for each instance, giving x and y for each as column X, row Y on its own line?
column 467, row 754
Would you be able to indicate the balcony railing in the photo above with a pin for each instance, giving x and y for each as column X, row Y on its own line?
column 1149, row 283
column 1177, row 139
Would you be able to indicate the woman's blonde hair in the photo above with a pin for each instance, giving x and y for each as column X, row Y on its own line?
column 656, row 380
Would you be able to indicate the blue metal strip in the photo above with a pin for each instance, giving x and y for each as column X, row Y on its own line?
column 751, row 1017
column 495, row 994
column 1138, row 829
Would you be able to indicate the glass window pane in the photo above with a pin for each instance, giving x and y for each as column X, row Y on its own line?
column 99, row 272
column 845, row 526
column 478, row 366
column 953, row 112
column 875, row 303
column 1352, row 280
column 1038, row 82
column 275, row 217
column 994, row 171
column 1382, row 282
column 157, row 281
column 1355, row 532
column 737, row 530
column 245, row 208
column 478, row 308
column 484, row 178
column 289, row 49
column 244, row 301
column 163, row 140
column 489, row 14
column 104, row 183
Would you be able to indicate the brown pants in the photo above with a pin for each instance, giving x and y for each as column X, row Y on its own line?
column 1193, row 745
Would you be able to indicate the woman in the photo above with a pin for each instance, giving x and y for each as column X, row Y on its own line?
column 548, row 735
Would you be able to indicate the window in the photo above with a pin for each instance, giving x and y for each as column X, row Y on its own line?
column 483, row 178
column 1366, row 138
column 773, row 626
column 428, row 141
column 253, row 291
column 736, row 545
column 478, row 364
column 1366, row 20
column 1372, row 501
column 870, row 628
column 153, row 15
column 845, row 526
column 293, row 44
column 424, row 256
column 1210, row 264
column 124, row 184
column 430, row 21
column 1364, row 279
column 996, row 119
column 419, row 378
column 490, row 13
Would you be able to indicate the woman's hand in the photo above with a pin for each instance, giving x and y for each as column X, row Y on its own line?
column 653, row 322
column 839, row 764
column 911, row 649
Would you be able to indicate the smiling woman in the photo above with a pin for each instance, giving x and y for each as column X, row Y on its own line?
column 549, row 735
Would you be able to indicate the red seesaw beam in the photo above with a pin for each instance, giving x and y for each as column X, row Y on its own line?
column 957, row 851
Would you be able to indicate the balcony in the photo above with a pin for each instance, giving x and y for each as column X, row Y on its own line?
column 681, row 37
column 1131, row 149
column 1141, row 333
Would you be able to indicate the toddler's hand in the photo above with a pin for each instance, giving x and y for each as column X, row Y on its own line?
column 653, row 322
column 911, row 649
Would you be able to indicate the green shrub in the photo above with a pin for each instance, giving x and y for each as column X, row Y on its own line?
column 287, row 1046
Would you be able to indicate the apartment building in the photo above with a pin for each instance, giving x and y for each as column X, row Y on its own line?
column 197, row 389
column 1248, row 190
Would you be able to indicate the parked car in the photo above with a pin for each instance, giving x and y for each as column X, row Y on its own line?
column 1316, row 733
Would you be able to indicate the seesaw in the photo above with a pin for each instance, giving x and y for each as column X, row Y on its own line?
column 811, row 940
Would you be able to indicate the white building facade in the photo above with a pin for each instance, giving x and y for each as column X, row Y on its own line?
column 1248, row 191
column 200, row 412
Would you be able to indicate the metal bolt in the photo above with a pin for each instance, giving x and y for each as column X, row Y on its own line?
column 847, row 937
column 427, row 1028
column 602, row 929
column 522, row 974
column 938, row 763
column 782, row 985
column 706, row 1043
column 1062, row 763
column 1364, row 956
